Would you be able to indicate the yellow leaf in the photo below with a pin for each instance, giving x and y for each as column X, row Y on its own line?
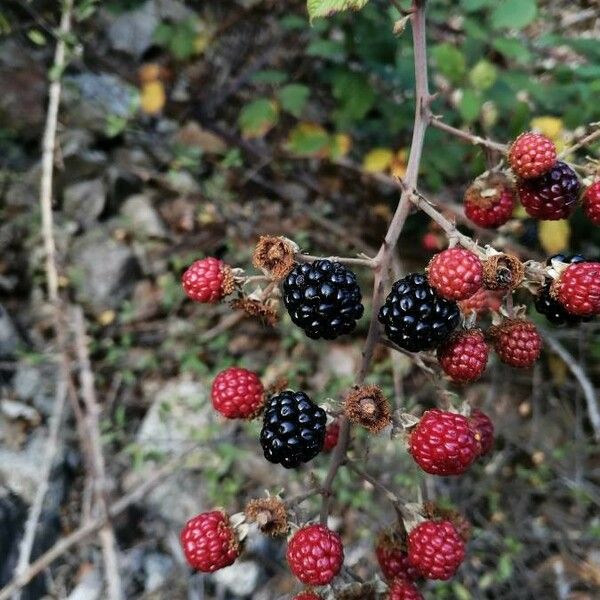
column 150, row 72
column 554, row 236
column 378, row 160
column 202, row 41
column 551, row 127
column 106, row 317
column 152, row 97
column 339, row 145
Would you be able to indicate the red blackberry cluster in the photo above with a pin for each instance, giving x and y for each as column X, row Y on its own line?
column 293, row 430
column 415, row 317
column 323, row 298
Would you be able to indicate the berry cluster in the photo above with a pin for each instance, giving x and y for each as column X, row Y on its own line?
column 431, row 311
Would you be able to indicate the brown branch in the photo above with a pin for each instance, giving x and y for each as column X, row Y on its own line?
column 364, row 262
column 93, row 526
column 384, row 256
column 466, row 136
column 588, row 139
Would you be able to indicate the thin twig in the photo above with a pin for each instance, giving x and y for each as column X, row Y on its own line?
column 582, row 378
column 93, row 526
column 588, row 139
column 466, row 136
column 88, row 393
column 384, row 256
column 365, row 262
column 45, row 199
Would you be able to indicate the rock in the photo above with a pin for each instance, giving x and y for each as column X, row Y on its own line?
column 13, row 411
column 179, row 410
column 36, row 384
column 106, row 270
column 133, row 31
column 90, row 99
column 157, row 569
column 9, row 338
column 89, row 586
column 241, row 578
column 23, row 192
column 142, row 218
column 84, row 201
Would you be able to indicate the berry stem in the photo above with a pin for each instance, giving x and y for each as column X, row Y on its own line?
column 365, row 262
column 384, row 256
column 588, row 139
column 466, row 136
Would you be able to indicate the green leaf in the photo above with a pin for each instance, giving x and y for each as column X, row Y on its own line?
column 325, row 49
column 473, row 5
column 269, row 76
column 512, row 48
column 450, row 62
column 325, row 8
column 470, row 105
column 307, row 139
column 513, row 14
column 258, row 117
column 354, row 94
column 293, row 98
column 483, row 75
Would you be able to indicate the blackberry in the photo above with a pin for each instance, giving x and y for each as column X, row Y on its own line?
column 552, row 309
column 415, row 317
column 323, row 298
column 293, row 429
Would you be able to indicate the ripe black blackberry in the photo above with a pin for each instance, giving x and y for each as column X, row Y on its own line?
column 323, row 298
column 552, row 309
column 415, row 317
column 293, row 429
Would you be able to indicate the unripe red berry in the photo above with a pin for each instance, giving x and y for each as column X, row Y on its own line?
column 464, row 356
column 207, row 280
column 531, row 155
column 436, row 549
column 237, row 393
column 455, row 274
column 332, row 435
column 489, row 202
column 591, row 203
column 209, row 542
column 308, row 596
column 403, row 589
column 483, row 427
column 517, row 342
column 315, row 554
column 443, row 443
column 392, row 557
column 578, row 289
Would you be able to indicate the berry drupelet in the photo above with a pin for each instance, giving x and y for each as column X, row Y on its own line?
column 315, row 554
column 436, row 549
column 293, row 430
column 332, row 435
column 443, row 443
column 209, row 542
column 578, row 289
column 552, row 196
column 390, row 550
column 404, row 589
column 483, row 429
column 323, row 298
column 551, row 308
column 308, row 596
column 207, row 280
column 415, row 317
column 517, row 342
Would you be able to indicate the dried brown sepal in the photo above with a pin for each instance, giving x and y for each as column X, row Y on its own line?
column 270, row 514
column 464, row 528
column 391, row 538
column 279, row 385
column 228, row 284
column 485, row 190
column 254, row 308
column 274, row 256
column 503, row 272
column 367, row 406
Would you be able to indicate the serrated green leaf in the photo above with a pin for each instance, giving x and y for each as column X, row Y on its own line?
column 293, row 98
column 513, row 14
column 326, row 8
column 258, row 117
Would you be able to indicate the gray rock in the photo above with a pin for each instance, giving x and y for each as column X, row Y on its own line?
column 9, row 338
column 241, row 578
column 133, row 31
column 90, row 99
column 157, row 569
column 84, row 201
column 105, row 270
column 36, row 385
column 141, row 217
